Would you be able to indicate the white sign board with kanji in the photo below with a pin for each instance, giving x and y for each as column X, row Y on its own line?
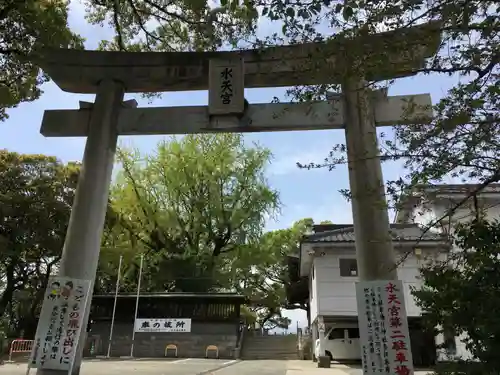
column 383, row 328
column 60, row 324
column 162, row 325
column 226, row 87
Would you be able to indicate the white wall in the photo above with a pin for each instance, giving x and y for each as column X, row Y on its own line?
column 337, row 295
column 313, row 295
column 431, row 212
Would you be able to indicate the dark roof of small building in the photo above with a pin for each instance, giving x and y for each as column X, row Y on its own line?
column 399, row 232
column 317, row 228
column 179, row 295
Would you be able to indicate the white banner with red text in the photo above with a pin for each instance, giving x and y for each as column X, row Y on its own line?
column 383, row 328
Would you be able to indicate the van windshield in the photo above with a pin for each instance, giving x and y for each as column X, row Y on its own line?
column 335, row 334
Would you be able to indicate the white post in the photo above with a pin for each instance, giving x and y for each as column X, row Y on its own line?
column 114, row 305
column 136, row 306
column 80, row 254
column 314, row 337
column 321, row 337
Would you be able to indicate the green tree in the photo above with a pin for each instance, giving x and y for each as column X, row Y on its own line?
column 36, row 193
column 27, row 27
column 191, row 208
column 462, row 140
column 184, row 25
column 263, row 273
column 117, row 243
column 462, row 295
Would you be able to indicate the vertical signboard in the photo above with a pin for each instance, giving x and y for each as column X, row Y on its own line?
column 226, row 87
column 383, row 328
column 60, row 324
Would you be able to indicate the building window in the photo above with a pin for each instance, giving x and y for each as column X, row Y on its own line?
column 348, row 267
column 336, row 334
column 353, row 333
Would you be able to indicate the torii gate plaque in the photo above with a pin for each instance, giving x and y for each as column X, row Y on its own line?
column 111, row 74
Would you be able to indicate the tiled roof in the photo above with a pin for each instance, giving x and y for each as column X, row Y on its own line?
column 400, row 232
column 420, row 191
column 457, row 188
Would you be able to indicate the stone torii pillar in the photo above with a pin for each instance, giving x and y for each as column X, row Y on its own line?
column 110, row 74
column 374, row 250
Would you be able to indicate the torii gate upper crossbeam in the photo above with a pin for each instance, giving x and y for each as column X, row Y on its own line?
column 81, row 71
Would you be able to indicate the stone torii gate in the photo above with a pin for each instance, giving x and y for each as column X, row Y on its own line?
column 358, row 111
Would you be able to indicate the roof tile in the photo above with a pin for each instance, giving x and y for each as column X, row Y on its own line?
column 399, row 232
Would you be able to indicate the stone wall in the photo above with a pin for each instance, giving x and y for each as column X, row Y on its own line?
column 151, row 345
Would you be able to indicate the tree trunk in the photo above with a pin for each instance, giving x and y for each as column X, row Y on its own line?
column 8, row 293
column 268, row 316
column 30, row 324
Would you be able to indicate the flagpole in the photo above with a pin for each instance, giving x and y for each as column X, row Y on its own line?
column 136, row 306
column 114, row 305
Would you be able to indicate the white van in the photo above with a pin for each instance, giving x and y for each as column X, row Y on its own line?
column 341, row 343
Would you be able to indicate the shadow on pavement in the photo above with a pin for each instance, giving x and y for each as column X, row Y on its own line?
column 358, row 366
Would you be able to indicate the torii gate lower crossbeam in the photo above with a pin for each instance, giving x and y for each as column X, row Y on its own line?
column 258, row 118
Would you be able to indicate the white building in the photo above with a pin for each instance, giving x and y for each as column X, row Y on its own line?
column 328, row 259
column 442, row 207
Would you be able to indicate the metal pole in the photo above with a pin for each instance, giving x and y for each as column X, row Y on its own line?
column 136, row 306
column 80, row 254
column 374, row 250
column 114, row 305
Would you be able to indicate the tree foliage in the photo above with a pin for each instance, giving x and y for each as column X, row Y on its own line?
column 36, row 195
column 462, row 295
column 462, row 139
column 264, row 276
column 185, row 25
column 192, row 208
column 196, row 210
column 26, row 28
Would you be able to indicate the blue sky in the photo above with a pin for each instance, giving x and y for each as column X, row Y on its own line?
column 303, row 193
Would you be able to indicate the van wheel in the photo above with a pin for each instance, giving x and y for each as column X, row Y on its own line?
column 329, row 354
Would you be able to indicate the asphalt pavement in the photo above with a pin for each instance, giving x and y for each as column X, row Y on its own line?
column 200, row 367
column 136, row 366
